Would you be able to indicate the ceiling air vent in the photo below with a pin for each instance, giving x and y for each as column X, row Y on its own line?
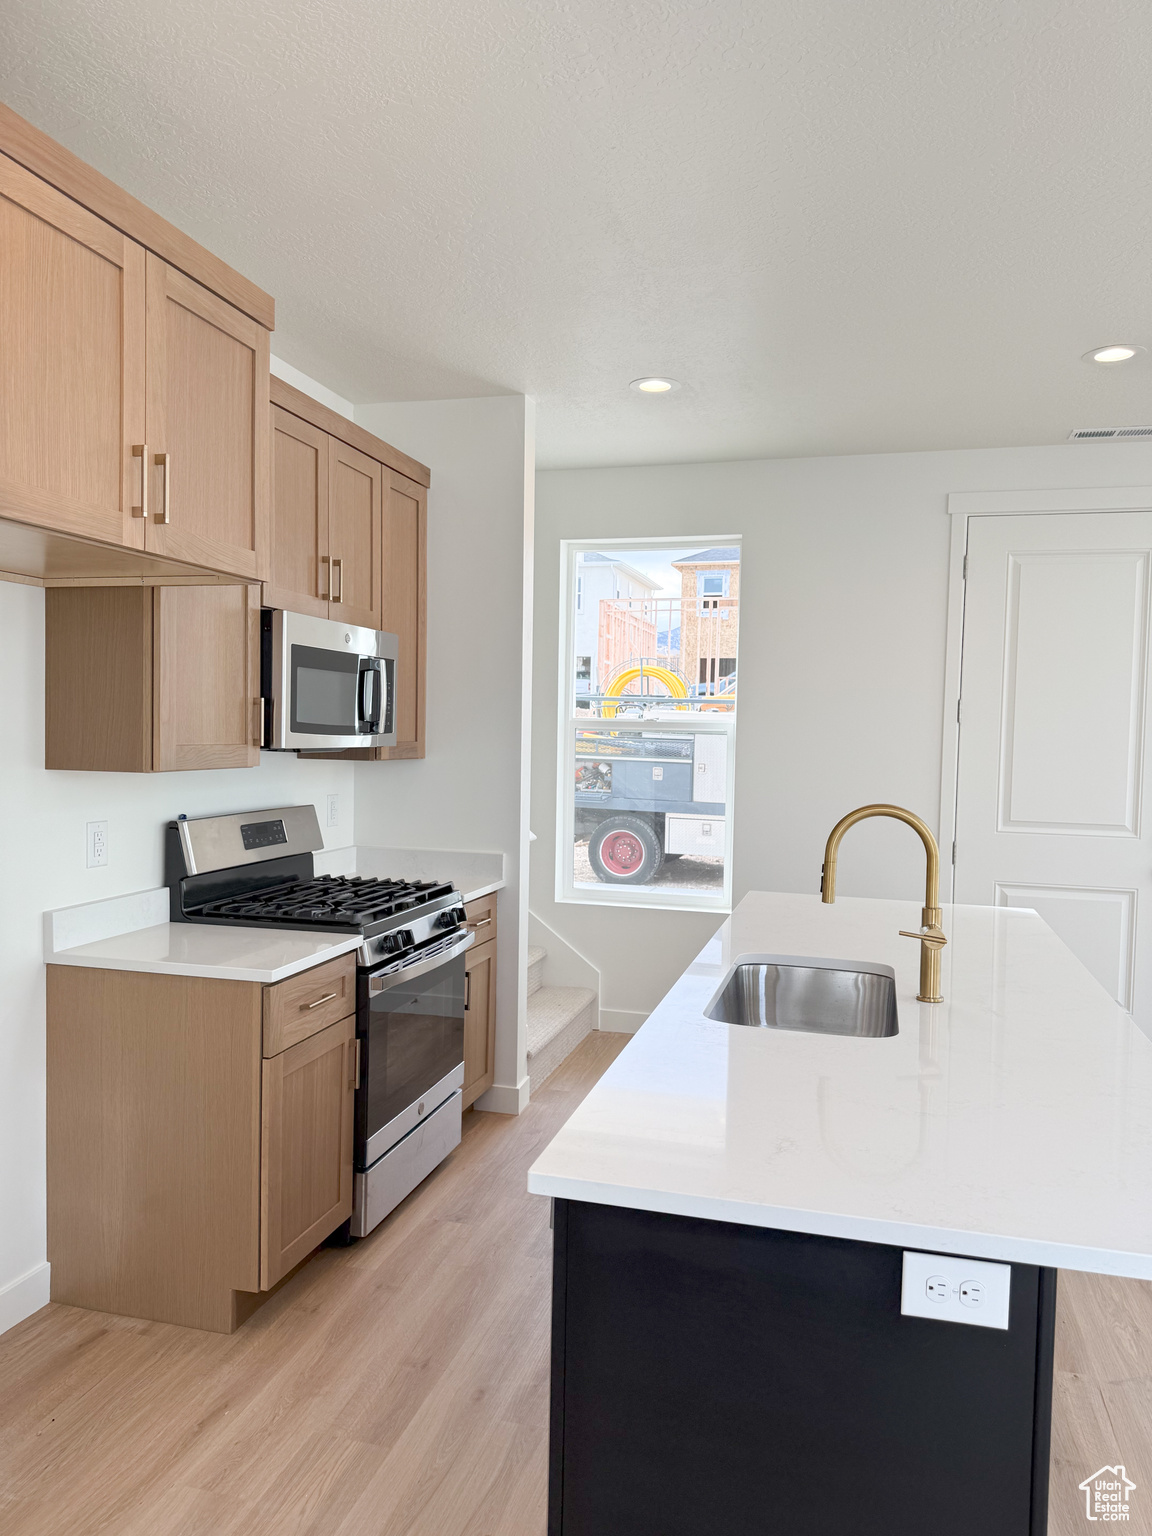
column 1099, row 433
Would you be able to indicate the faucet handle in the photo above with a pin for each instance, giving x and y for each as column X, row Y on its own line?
column 930, row 934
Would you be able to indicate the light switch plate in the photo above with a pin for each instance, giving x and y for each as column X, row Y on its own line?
column 951, row 1290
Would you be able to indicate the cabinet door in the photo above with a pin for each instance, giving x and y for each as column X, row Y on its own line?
column 405, row 605
column 206, row 677
column 71, row 364
column 298, row 558
column 305, row 1147
column 207, row 423
column 479, row 1020
column 354, row 535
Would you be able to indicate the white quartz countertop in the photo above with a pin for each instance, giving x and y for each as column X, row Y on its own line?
column 204, row 949
column 1013, row 1121
column 132, row 933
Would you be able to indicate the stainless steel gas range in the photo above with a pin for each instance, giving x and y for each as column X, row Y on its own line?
column 257, row 870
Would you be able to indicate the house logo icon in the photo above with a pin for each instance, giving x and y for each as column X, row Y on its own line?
column 1106, row 1494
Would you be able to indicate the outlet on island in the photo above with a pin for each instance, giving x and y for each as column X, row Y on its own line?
column 952, row 1290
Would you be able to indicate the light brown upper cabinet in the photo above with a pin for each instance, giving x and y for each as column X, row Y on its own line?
column 405, row 607
column 71, row 364
column 133, row 383
column 355, row 483
column 298, row 560
column 206, row 677
column 147, row 679
column 326, row 501
column 350, row 540
column 206, row 427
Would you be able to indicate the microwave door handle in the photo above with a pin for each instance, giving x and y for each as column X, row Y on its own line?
column 369, row 701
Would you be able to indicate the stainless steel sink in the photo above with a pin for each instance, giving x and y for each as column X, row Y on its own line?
column 822, row 997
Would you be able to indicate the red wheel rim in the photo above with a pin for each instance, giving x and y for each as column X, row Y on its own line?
column 622, row 853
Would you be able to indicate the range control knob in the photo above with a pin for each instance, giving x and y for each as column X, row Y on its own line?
column 398, row 939
column 451, row 917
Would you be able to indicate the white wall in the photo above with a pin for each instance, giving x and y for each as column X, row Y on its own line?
column 842, row 630
column 282, row 370
column 471, row 790
column 42, row 866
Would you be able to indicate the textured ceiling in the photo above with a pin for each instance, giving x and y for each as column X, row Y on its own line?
column 844, row 225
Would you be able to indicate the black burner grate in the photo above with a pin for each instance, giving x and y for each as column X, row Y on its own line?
column 351, row 901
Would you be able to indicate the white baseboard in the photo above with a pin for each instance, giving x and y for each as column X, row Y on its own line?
column 23, row 1296
column 621, row 1021
column 505, row 1098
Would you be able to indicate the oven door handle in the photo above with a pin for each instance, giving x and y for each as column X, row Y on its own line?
column 378, row 984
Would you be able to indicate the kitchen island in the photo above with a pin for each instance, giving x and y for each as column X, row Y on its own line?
column 732, row 1210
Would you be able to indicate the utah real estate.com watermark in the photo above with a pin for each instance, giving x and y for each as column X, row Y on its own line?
column 1106, row 1494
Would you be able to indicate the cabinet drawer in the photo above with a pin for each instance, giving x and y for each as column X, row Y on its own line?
column 481, row 917
column 305, row 1004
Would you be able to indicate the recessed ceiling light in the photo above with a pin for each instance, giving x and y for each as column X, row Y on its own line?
column 1116, row 352
column 654, row 386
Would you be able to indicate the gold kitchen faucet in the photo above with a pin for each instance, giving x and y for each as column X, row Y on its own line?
column 930, row 933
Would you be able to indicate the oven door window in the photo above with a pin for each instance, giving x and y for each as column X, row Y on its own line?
column 325, row 692
column 415, row 1037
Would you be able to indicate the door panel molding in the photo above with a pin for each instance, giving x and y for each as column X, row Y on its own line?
column 1018, row 791
column 962, row 506
column 1118, row 979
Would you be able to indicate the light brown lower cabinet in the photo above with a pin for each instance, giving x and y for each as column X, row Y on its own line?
column 306, row 1147
column 479, row 1020
column 187, row 1172
column 147, row 679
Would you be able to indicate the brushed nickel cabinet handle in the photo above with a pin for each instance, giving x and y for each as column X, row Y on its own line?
column 327, row 998
column 140, row 451
column 164, row 461
column 484, row 922
column 354, row 1080
column 338, row 570
column 327, row 593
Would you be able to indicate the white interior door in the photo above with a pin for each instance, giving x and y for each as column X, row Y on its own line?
column 1051, row 797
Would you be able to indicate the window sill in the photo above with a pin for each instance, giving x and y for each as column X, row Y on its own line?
column 675, row 903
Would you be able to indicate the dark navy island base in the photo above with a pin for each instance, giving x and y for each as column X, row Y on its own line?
column 715, row 1378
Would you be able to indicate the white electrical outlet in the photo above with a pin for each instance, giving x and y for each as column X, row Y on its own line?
column 956, row 1290
column 97, row 844
column 333, row 810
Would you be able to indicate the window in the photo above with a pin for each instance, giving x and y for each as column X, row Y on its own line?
column 647, row 729
column 712, row 667
column 711, row 586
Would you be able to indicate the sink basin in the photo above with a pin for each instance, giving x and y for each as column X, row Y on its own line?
column 821, row 997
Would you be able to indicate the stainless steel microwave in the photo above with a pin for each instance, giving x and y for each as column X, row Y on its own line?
column 324, row 685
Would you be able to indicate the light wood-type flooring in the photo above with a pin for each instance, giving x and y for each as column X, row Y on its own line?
column 400, row 1387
